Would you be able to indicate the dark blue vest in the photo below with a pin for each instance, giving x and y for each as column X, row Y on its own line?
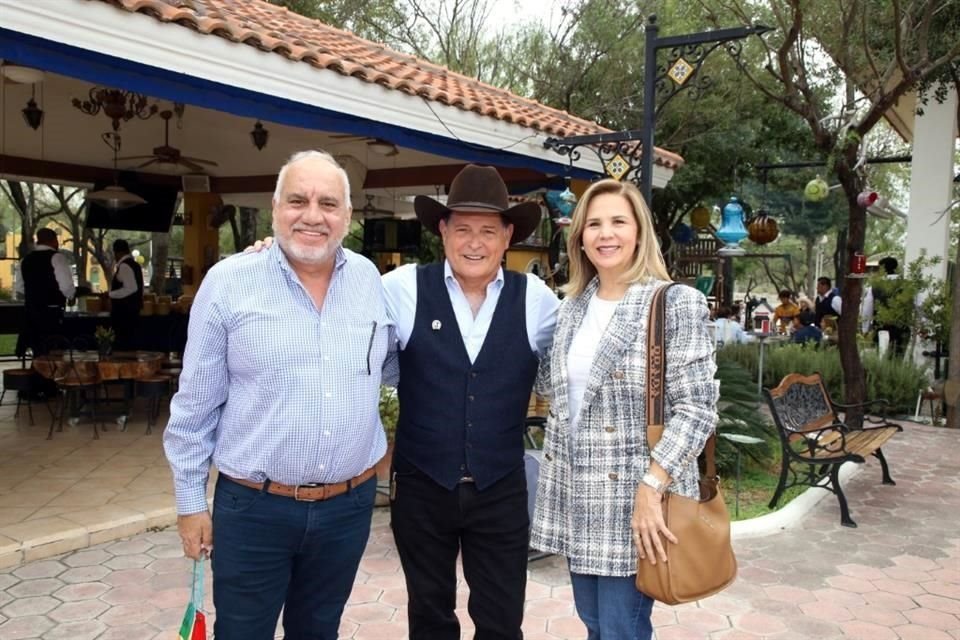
column 824, row 307
column 456, row 417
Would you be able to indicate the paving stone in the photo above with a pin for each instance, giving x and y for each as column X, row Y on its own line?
column 33, row 606
column 83, row 591
column 26, row 627
column 76, row 611
column 83, row 574
column 132, row 561
column 83, row 630
column 39, row 587
column 87, row 558
column 42, row 569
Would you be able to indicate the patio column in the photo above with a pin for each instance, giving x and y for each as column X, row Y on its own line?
column 201, row 243
column 931, row 181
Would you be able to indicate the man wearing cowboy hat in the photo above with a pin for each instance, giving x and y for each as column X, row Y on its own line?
column 471, row 335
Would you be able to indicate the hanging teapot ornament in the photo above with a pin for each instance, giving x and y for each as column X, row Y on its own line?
column 816, row 190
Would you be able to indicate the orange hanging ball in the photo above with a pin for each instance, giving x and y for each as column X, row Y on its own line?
column 700, row 217
column 763, row 228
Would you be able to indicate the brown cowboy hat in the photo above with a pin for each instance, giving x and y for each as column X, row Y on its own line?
column 479, row 190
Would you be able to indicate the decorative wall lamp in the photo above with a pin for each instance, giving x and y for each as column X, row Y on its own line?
column 259, row 136
column 32, row 114
column 114, row 196
column 732, row 232
column 116, row 104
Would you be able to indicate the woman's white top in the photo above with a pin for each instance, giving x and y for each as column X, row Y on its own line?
column 582, row 350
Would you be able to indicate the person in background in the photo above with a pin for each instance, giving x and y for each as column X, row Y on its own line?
column 48, row 285
column 126, row 296
column 805, row 328
column 828, row 302
column 728, row 328
column 880, row 294
column 470, row 334
column 600, row 490
column 785, row 312
column 280, row 388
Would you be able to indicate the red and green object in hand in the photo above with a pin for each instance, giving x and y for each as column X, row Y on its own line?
column 194, row 625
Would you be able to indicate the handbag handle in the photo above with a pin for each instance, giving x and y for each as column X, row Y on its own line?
column 656, row 378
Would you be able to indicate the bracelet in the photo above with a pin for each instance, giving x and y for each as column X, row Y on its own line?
column 653, row 482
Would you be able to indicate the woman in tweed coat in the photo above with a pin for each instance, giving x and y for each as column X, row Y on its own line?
column 600, row 488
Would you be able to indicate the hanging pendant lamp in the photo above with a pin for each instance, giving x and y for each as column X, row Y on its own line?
column 114, row 197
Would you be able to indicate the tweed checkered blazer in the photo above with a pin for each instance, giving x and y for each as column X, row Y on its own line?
column 587, row 485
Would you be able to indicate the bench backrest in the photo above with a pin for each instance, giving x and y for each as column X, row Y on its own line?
column 800, row 403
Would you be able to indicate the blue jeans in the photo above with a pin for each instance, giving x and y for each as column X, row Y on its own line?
column 272, row 552
column 612, row 608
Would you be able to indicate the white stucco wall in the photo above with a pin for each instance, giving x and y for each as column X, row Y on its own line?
column 931, row 181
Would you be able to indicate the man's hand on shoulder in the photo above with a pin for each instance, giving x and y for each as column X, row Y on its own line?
column 196, row 534
column 260, row 245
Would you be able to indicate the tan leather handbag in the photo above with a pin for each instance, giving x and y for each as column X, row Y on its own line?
column 702, row 562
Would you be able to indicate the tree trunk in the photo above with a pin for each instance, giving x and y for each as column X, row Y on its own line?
column 160, row 243
column 855, row 387
column 953, row 363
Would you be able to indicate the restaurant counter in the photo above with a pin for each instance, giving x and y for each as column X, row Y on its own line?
column 156, row 333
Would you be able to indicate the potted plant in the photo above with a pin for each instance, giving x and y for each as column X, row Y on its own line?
column 104, row 337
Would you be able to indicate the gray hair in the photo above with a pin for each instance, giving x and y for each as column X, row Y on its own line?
column 321, row 155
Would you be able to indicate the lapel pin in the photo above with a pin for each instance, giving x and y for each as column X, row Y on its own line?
column 435, row 325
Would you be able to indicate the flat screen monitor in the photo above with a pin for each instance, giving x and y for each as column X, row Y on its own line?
column 391, row 236
column 155, row 215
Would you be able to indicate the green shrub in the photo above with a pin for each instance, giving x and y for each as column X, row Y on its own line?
column 738, row 413
column 389, row 411
column 894, row 380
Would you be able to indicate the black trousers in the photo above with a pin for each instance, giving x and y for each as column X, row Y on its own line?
column 490, row 528
column 124, row 325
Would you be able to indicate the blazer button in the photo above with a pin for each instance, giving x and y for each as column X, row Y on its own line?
column 609, row 429
column 548, row 457
column 618, row 375
column 614, row 476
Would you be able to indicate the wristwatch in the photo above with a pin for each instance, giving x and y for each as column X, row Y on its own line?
column 652, row 481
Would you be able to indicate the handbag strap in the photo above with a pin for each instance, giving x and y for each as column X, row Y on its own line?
column 656, row 378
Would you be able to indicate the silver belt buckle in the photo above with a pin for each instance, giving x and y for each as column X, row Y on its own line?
column 296, row 491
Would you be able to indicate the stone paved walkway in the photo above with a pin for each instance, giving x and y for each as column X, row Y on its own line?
column 896, row 576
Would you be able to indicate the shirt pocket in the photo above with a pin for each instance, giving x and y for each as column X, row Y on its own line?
column 366, row 347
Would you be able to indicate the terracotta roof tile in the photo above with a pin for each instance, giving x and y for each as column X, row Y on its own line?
column 275, row 29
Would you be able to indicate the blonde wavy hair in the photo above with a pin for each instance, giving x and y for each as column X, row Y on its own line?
column 647, row 261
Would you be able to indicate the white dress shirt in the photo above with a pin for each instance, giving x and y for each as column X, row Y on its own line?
column 128, row 281
column 400, row 287
column 61, row 271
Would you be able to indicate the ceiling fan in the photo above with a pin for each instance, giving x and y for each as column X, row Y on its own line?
column 165, row 154
column 377, row 145
column 370, row 211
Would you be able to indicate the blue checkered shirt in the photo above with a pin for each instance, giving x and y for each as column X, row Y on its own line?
column 273, row 388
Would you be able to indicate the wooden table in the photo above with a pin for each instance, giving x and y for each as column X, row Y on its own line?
column 90, row 365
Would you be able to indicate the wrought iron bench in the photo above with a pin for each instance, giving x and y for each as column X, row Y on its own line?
column 815, row 442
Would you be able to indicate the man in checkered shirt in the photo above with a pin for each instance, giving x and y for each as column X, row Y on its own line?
column 279, row 390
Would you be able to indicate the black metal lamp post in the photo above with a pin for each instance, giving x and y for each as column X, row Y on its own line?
column 619, row 158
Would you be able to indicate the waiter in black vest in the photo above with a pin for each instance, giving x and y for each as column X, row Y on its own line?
column 828, row 304
column 471, row 335
column 47, row 285
column 126, row 296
